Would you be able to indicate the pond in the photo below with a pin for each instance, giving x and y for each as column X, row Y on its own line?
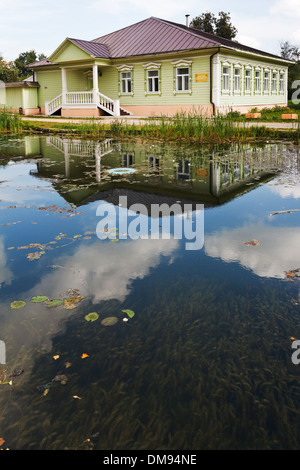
column 186, row 348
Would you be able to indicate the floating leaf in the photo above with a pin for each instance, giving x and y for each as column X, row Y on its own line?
column 53, row 303
column 1, row 441
column 18, row 304
column 78, row 398
column 252, row 243
column 56, row 357
column 84, row 355
column 109, row 321
column 39, row 298
column 130, row 313
column 92, row 316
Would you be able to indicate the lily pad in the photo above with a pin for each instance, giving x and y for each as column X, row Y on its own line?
column 53, row 303
column 39, row 298
column 109, row 321
column 92, row 316
column 18, row 304
column 130, row 313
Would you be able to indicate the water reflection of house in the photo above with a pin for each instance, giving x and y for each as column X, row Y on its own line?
column 79, row 169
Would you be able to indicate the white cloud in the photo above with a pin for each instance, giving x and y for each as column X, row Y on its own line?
column 6, row 275
column 278, row 251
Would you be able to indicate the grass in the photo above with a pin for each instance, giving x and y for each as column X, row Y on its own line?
column 10, row 122
column 189, row 128
column 269, row 114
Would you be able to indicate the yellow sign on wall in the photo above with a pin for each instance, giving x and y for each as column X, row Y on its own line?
column 201, row 77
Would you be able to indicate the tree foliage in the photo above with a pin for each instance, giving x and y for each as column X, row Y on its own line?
column 219, row 25
column 291, row 52
column 26, row 58
column 8, row 71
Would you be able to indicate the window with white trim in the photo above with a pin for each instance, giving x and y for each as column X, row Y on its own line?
column 266, row 82
column 237, row 80
column 225, row 79
column 183, row 79
column 274, row 82
column 152, row 81
column 126, row 82
column 247, row 81
column 281, row 82
column 257, row 81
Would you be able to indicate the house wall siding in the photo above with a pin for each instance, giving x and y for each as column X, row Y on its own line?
column 50, row 85
column 252, row 99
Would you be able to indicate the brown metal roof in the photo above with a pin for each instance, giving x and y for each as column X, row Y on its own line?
column 94, row 48
column 155, row 36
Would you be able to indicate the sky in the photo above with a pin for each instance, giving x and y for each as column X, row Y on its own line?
column 43, row 25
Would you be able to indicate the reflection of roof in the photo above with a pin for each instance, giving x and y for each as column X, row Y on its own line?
column 154, row 36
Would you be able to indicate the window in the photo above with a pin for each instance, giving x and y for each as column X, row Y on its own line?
column 274, row 82
column 183, row 78
column 281, row 82
column 257, row 81
column 237, row 80
column 247, row 81
column 152, row 81
column 266, row 82
column 126, row 82
column 226, row 78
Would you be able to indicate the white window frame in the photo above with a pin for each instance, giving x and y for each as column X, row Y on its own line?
column 125, row 69
column 274, row 80
column 153, row 81
column 248, row 80
column 281, row 81
column 152, row 67
column 226, row 78
column 237, row 79
column 181, row 79
column 257, row 80
column 127, row 82
column 182, row 64
column 266, row 81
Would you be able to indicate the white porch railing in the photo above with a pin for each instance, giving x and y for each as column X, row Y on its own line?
column 81, row 99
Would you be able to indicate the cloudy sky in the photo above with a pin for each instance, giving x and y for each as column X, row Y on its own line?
column 41, row 25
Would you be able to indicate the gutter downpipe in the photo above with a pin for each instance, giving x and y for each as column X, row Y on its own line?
column 211, row 79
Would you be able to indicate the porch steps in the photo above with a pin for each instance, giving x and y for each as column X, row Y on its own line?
column 84, row 100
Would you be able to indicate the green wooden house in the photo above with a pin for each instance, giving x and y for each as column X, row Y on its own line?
column 156, row 67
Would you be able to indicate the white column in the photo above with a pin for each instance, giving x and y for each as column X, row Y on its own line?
column 95, row 83
column 216, row 88
column 117, row 108
column 64, row 89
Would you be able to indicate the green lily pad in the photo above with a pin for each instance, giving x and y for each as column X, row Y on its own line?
column 109, row 321
column 39, row 298
column 53, row 303
column 18, row 304
column 130, row 313
column 92, row 316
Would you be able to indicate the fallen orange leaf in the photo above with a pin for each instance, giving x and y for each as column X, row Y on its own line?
column 56, row 357
column 1, row 441
column 84, row 355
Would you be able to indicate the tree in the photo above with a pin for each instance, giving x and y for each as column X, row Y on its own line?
column 26, row 58
column 291, row 52
column 8, row 71
column 219, row 26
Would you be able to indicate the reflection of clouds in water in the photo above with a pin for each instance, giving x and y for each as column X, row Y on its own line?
column 278, row 251
column 104, row 270
column 6, row 274
column 287, row 190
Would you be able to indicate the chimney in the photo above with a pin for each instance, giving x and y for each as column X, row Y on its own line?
column 187, row 20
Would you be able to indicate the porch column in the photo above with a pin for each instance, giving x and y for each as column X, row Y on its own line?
column 64, row 89
column 95, row 83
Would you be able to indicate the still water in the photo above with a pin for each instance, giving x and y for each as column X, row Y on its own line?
column 201, row 358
